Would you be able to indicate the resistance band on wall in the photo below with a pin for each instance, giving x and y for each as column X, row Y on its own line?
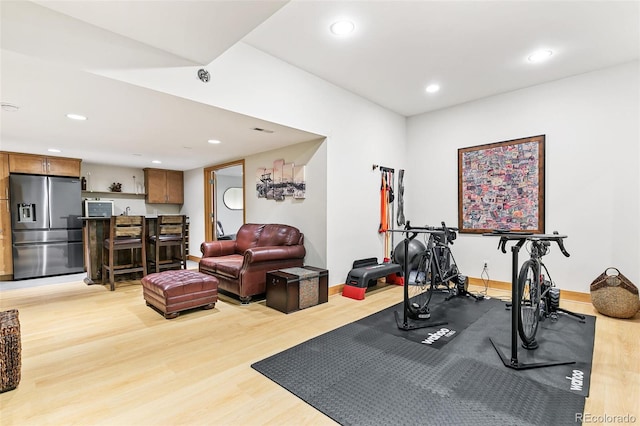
column 400, row 219
column 386, row 199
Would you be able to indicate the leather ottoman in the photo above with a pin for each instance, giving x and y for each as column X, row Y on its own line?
column 177, row 290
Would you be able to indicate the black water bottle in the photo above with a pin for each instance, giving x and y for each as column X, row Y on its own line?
column 83, row 183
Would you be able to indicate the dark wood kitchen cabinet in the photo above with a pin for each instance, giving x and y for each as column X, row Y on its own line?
column 164, row 186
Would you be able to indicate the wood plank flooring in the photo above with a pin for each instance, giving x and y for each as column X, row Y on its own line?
column 95, row 357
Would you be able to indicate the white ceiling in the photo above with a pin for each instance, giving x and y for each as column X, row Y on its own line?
column 472, row 49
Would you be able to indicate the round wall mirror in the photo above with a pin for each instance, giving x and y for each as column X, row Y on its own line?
column 233, row 199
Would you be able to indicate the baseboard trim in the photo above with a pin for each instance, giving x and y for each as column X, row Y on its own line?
column 574, row 296
column 336, row 289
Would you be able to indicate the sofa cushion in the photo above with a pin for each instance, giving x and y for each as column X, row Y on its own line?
column 225, row 265
column 278, row 235
column 247, row 236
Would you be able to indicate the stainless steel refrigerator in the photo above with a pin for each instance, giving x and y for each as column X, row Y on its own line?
column 45, row 224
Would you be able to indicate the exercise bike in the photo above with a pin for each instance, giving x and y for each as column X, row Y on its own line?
column 436, row 271
column 534, row 296
column 539, row 297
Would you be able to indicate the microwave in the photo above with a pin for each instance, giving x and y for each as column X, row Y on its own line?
column 98, row 208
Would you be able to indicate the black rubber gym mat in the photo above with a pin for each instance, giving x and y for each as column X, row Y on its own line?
column 473, row 322
column 371, row 373
column 361, row 376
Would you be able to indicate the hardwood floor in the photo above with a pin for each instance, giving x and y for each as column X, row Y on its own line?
column 91, row 356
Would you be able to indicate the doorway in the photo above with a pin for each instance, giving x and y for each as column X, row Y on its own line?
column 224, row 200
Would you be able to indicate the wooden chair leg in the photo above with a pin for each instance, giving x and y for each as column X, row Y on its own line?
column 111, row 270
column 143, row 258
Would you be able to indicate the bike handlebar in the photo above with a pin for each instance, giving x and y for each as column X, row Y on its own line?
column 447, row 231
column 562, row 249
column 544, row 238
column 443, row 227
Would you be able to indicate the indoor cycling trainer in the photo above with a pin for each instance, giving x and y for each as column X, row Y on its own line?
column 534, row 297
column 436, row 270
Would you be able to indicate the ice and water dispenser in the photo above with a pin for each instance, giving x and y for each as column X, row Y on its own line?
column 26, row 213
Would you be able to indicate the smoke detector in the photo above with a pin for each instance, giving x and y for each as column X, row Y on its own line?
column 204, row 75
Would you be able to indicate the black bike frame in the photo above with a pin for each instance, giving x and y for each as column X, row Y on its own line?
column 515, row 296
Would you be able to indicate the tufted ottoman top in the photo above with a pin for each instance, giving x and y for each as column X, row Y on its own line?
column 178, row 282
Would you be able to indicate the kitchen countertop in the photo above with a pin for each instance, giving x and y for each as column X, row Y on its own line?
column 153, row 216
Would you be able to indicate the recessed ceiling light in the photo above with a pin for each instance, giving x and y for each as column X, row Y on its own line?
column 76, row 117
column 540, row 55
column 342, row 27
column 54, row 150
column 156, row 162
column 432, row 88
column 213, row 141
column 9, row 107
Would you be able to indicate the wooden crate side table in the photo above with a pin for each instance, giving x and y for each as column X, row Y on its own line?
column 289, row 292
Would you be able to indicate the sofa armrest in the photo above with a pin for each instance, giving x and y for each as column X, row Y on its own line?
column 263, row 254
column 217, row 248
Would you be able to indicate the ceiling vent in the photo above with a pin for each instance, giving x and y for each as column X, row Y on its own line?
column 259, row 129
column 9, row 107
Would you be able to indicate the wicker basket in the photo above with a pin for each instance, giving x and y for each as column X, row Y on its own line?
column 10, row 350
column 613, row 295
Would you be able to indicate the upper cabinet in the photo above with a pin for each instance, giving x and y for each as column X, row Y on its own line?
column 40, row 165
column 164, row 186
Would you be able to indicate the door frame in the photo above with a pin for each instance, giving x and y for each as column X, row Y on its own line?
column 209, row 199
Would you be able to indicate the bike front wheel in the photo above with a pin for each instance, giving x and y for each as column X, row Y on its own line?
column 529, row 293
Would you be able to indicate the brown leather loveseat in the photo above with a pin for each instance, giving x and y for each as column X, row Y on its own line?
column 241, row 265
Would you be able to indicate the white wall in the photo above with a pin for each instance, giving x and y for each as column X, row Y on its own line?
column 100, row 176
column 194, row 208
column 591, row 123
column 308, row 214
column 359, row 134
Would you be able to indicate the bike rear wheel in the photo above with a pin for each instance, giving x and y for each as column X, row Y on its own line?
column 528, row 314
column 420, row 290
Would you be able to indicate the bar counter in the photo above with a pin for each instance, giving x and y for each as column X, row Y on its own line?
column 94, row 232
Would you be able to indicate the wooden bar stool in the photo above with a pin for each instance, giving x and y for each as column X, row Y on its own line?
column 125, row 233
column 170, row 232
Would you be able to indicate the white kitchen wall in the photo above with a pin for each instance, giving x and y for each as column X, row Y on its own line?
column 100, row 176
column 591, row 123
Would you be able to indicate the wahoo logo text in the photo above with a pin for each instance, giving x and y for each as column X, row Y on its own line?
column 433, row 337
column 577, row 378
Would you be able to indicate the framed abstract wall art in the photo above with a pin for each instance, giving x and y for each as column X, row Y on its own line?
column 501, row 186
